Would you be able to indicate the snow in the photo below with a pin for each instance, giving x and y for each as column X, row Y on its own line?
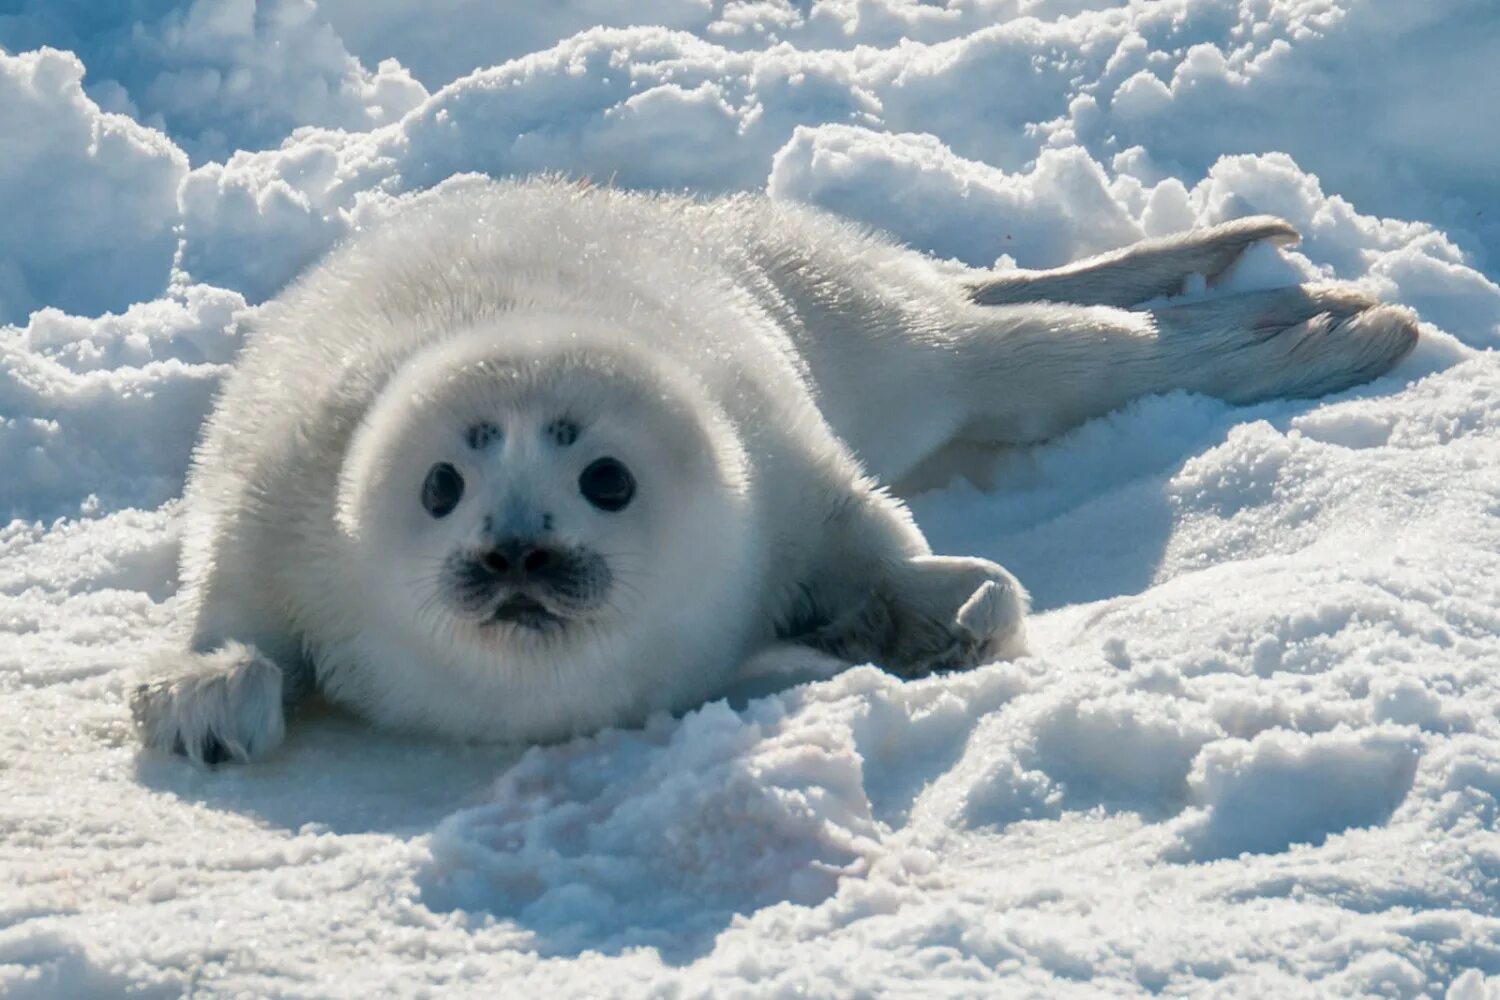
column 1257, row 751
column 81, row 191
column 217, row 74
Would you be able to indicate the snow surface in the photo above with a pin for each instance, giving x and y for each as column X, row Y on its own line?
column 1257, row 752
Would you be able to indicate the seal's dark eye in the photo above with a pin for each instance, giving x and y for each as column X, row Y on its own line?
column 442, row 490
column 607, row 484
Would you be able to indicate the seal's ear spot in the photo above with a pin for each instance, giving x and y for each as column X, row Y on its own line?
column 480, row 435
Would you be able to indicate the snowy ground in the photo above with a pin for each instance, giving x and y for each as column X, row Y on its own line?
column 1257, row 752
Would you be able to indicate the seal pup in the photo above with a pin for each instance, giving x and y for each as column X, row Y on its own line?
column 532, row 459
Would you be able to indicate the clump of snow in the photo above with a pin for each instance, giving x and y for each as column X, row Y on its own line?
column 1257, row 750
column 1301, row 77
column 979, row 118
column 1060, row 209
column 217, row 75
column 765, row 808
column 1279, row 789
column 450, row 38
column 102, row 413
column 1474, row 985
column 89, row 199
column 1188, row 81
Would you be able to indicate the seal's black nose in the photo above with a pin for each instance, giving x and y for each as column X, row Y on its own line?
column 518, row 558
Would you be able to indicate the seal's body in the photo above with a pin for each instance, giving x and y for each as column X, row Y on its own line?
column 534, row 459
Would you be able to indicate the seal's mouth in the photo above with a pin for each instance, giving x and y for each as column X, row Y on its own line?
column 528, row 612
column 547, row 598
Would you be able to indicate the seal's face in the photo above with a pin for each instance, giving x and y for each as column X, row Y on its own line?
column 540, row 558
column 510, row 505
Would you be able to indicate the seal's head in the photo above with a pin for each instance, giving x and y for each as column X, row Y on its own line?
column 557, row 517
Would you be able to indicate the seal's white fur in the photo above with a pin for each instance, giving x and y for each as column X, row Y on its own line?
column 761, row 366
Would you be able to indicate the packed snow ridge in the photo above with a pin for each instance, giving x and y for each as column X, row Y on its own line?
column 1257, row 751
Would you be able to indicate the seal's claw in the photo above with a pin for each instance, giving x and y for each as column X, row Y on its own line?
column 982, row 612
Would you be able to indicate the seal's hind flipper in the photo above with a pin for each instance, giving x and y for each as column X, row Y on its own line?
column 1146, row 270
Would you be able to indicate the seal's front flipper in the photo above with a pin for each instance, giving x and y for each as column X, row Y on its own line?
column 226, row 705
column 952, row 613
column 932, row 613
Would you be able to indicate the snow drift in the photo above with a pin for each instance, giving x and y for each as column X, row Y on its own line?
column 1258, row 750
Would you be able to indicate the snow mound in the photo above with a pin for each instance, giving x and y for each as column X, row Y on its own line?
column 101, row 414
column 82, row 192
column 216, row 75
column 1280, row 789
column 759, row 814
column 1257, row 751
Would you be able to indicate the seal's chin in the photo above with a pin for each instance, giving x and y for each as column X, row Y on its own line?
column 526, row 612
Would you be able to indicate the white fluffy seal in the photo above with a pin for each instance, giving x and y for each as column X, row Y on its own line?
column 534, row 459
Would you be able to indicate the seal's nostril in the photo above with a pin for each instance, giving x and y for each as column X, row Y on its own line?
column 516, row 558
